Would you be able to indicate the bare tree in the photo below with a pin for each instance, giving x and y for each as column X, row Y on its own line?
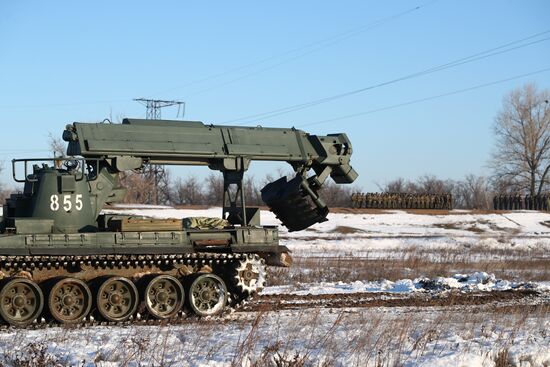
column 188, row 191
column 57, row 146
column 522, row 130
column 4, row 192
column 252, row 191
column 165, row 192
column 433, row 185
column 140, row 187
column 399, row 185
column 147, row 187
column 424, row 184
column 337, row 195
column 473, row 192
column 214, row 189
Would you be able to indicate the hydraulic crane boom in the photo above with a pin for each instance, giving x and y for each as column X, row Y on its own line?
column 193, row 143
column 229, row 149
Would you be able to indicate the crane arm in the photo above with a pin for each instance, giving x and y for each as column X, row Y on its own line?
column 229, row 149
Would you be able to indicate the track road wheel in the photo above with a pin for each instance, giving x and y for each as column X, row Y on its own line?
column 70, row 300
column 164, row 296
column 207, row 295
column 117, row 299
column 250, row 275
column 21, row 301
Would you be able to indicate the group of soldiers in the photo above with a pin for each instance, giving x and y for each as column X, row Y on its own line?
column 520, row 202
column 391, row 200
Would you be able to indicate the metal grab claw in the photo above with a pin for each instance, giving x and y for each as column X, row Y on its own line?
column 295, row 203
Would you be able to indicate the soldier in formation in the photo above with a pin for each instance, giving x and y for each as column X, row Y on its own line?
column 392, row 200
column 516, row 201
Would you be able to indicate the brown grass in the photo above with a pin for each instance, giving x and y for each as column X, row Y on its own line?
column 409, row 265
column 346, row 230
column 501, row 359
column 312, row 336
column 454, row 225
column 32, row 355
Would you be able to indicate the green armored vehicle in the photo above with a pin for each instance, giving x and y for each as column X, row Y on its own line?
column 62, row 260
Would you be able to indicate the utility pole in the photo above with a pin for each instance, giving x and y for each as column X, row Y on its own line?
column 153, row 109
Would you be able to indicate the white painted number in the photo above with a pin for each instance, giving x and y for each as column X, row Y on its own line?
column 67, row 205
column 67, row 202
column 78, row 202
column 54, row 203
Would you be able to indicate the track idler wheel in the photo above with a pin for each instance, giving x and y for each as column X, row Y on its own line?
column 117, row 299
column 21, row 301
column 164, row 296
column 294, row 203
column 207, row 295
column 69, row 300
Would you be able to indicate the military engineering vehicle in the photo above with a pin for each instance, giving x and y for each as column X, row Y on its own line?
column 63, row 260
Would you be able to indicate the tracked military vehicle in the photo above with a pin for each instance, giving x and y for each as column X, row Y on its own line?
column 62, row 260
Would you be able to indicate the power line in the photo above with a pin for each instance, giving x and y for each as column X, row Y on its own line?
column 464, row 60
column 314, row 46
column 468, row 59
column 426, row 98
column 311, row 47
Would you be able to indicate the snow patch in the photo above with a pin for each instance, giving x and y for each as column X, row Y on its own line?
column 478, row 281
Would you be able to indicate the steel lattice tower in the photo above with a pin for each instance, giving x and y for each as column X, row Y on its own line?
column 154, row 107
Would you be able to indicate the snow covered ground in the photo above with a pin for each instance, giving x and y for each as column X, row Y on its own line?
column 391, row 223
column 381, row 235
column 436, row 336
column 490, row 333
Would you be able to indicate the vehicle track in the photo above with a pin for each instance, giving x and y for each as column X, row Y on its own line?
column 366, row 300
column 136, row 269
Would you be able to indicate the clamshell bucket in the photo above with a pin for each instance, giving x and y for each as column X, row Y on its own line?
column 294, row 203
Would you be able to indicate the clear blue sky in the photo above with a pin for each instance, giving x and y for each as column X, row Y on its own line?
column 65, row 61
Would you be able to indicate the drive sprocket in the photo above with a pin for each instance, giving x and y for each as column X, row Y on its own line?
column 250, row 275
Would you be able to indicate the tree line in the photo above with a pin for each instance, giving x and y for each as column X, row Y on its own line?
column 150, row 187
column 471, row 192
column 157, row 186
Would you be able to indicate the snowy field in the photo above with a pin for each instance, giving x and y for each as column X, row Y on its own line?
column 383, row 289
column 371, row 234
